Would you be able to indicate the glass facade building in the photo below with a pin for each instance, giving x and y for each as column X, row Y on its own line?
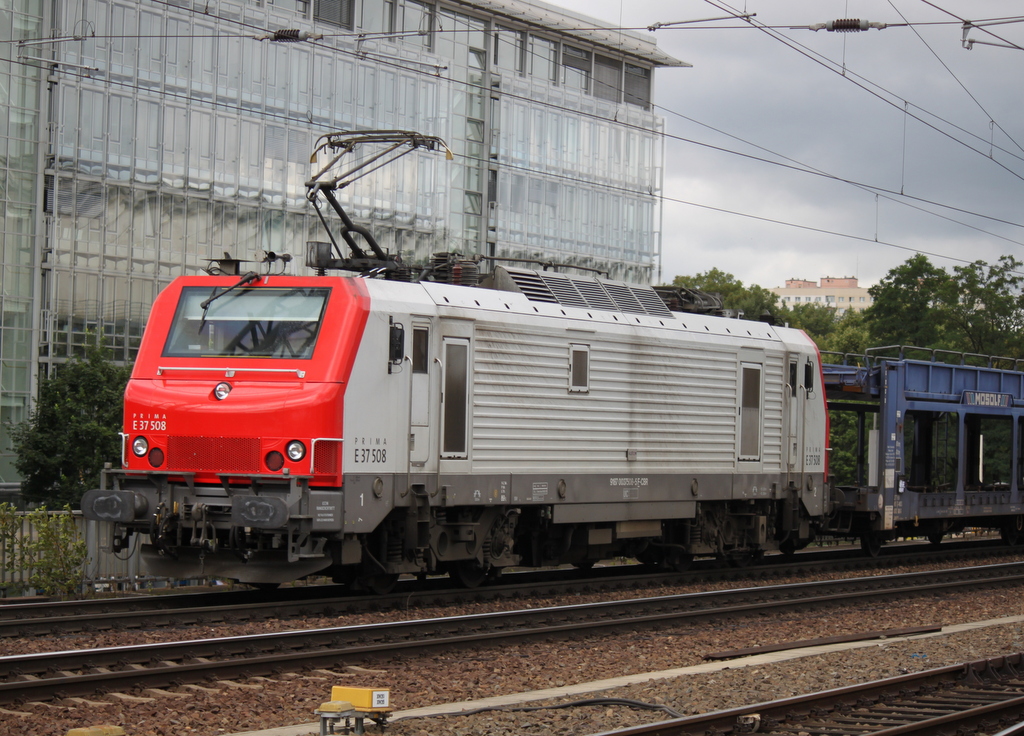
column 147, row 137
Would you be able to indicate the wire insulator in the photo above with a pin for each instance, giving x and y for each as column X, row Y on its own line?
column 290, row 35
column 847, row 25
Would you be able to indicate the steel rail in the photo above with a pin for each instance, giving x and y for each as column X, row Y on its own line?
column 53, row 618
column 54, row 674
column 985, row 694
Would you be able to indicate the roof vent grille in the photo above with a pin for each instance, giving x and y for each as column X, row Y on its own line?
column 582, row 292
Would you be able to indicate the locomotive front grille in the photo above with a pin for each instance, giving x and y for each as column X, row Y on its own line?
column 216, row 454
column 325, row 457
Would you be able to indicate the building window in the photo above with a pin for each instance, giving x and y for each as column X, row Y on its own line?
column 576, row 68
column 377, row 16
column 607, row 78
column 336, row 12
column 543, row 55
column 638, row 86
column 509, row 49
column 414, row 18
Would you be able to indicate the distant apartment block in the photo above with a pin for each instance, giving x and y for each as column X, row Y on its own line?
column 841, row 294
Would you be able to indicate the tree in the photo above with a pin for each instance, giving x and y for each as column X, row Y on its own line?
column 849, row 334
column 983, row 307
column 753, row 300
column 817, row 320
column 904, row 308
column 73, row 430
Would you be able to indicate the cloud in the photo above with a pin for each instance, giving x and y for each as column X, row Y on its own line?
column 857, row 125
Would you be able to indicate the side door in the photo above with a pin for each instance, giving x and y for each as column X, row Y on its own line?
column 424, row 370
column 795, row 400
column 455, row 397
column 751, row 408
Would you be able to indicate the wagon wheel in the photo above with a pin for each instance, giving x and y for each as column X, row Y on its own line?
column 871, row 543
column 1012, row 531
column 936, row 538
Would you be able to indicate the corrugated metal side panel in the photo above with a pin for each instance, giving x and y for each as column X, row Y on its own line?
column 674, row 403
column 772, row 446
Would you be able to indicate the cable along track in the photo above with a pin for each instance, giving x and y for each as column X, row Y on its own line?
column 979, row 697
column 47, row 675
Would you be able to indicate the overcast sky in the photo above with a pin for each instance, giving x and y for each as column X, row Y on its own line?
column 751, row 101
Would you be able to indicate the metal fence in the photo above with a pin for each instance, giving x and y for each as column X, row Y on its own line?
column 104, row 570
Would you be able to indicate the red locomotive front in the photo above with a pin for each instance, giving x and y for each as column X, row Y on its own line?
column 233, row 415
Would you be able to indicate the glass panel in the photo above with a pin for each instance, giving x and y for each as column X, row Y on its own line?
column 638, row 86
column 508, row 49
column 456, row 385
column 338, row 12
column 579, row 368
column 420, row 341
column 607, row 79
column 376, row 16
column 543, row 58
column 750, row 413
column 576, row 68
column 414, row 19
column 263, row 323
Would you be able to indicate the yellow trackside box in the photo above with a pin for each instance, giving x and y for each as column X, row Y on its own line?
column 363, row 698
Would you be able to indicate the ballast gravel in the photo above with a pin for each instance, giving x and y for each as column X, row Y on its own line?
column 290, row 698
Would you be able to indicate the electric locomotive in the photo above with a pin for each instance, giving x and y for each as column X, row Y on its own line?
column 280, row 426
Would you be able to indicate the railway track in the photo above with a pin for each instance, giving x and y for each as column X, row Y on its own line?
column 77, row 673
column 981, row 697
column 25, row 620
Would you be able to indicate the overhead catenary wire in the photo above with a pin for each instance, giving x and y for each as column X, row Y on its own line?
column 877, row 92
column 957, row 79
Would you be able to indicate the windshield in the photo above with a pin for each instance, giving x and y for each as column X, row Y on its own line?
column 259, row 323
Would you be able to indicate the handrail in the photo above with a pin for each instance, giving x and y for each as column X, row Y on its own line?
column 230, row 372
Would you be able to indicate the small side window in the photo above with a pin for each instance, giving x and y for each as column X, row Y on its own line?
column 579, row 369
column 420, row 341
column 809, row 377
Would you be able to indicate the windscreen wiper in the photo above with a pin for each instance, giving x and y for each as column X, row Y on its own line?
column 248, row 278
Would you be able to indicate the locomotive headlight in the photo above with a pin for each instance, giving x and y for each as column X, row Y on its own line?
column 221, row 390
column 139, row 446
column 296, row 450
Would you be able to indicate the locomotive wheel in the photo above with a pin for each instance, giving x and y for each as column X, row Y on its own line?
column 790, row 546
column 744, row 557
column 467, row 573
column 381, row 583
column 678, row 560
column 871, row 544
